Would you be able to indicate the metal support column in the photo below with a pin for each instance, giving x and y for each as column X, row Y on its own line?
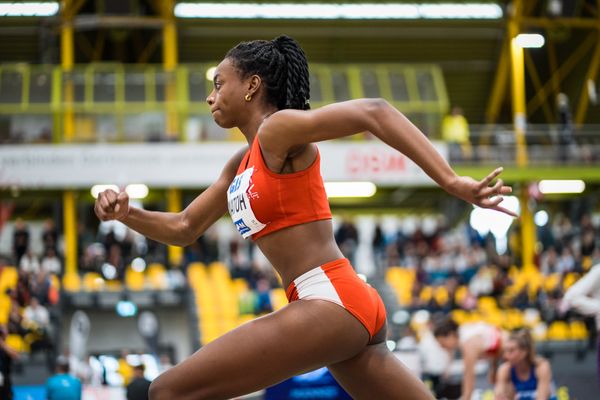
column 70, row 231
column 520, row 125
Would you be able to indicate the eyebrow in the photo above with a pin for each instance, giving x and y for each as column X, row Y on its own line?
column 215, row 76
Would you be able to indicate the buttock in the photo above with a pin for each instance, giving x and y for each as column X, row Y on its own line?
column 337, row 282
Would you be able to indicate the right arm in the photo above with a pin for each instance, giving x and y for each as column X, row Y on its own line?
column 578, row 295
column 470, row 356
column 179, row 229
column 503, row 386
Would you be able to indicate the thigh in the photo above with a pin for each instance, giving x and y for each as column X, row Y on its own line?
column 375, row 373
column 304, row 335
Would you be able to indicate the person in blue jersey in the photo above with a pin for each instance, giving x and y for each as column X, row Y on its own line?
column 62, row 385
column 524, row 376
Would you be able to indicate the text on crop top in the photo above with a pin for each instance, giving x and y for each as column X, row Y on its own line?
column 261, row 201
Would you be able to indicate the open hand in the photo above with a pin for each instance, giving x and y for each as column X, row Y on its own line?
column 111, row 205
column 481, row 193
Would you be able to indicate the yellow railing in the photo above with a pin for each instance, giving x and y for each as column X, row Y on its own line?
column 110, row 96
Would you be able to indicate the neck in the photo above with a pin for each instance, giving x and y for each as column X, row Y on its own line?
column 251, row 126
column 522, row 367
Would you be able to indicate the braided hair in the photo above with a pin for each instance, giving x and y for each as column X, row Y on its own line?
column 282, row 66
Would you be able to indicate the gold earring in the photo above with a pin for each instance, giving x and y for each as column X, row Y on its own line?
column 248, row 97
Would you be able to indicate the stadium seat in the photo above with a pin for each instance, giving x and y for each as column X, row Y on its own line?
column 578, row 330
column 8, row 278
column 93, row 282
column 157, row 276
column 17, row 343
column 134, row 280
column 558, row 330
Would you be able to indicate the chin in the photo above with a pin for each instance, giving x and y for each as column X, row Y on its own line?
column 224, row 124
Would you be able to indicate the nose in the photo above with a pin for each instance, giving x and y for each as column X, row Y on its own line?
column 211, row 98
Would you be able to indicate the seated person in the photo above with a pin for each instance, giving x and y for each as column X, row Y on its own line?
column 524, row 375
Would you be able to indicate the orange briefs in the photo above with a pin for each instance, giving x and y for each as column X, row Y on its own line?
column 337, row 282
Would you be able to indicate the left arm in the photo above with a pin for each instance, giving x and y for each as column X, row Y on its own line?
column 544, row 376
column 389, row 125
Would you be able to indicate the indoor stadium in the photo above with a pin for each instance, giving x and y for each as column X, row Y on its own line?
column 425, row 223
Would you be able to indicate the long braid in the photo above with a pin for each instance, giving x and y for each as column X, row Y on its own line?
column 282, row 66
column 297, row 91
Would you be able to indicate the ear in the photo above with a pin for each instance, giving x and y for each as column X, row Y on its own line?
column 254, row 82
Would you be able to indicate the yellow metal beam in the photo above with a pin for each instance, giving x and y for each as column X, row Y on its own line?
column 169, row 65
column 541, row 96
column 67, row 55
column 70, row 231
column 518, row 86
column 535, row 79
column 584, row 23
column 553, row 63
column 174, row 205
column 499, row 87
column 528, row 233
column 589, row 76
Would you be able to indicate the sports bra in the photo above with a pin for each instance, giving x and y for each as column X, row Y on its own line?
column 261, row 201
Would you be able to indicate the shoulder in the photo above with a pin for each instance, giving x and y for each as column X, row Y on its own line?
column 504, row 371
column 542, row 366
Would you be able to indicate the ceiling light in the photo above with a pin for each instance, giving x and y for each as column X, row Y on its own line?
column 28, row 9
column 350, row 189
column 530, row 40
column 561, row 186
column 339, row 11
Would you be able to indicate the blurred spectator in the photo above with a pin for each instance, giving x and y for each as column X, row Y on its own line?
column 50, row 236
column 125, row 368
column 29, row 264
column 584, row 296
column 164, row 363
column 15, row 319
column 7, row 356
column 139, row 386
column 565, row 125
column 51, row 263
column 39, row 287
column 63, row 385
column 36, row 316
column 455, row 132
column 524, row 375
column 263, row 297
column 378, row 246
column 346, row 238
column 20, row 240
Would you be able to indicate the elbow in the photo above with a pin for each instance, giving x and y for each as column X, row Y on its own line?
column 377, row 106
column 376, row 110
column 185, row 233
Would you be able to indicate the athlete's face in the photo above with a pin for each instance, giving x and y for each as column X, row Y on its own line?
column 226, row 100
column 513, row 353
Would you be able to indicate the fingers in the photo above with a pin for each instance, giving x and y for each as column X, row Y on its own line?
column 105, row 205
column 486, row 181
column 505, row 211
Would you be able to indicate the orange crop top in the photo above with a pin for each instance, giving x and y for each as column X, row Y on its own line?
column 261, row 201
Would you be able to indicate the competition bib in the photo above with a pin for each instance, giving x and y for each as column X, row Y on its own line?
column 238, row 201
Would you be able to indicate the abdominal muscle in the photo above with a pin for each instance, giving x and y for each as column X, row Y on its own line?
column 295, row 250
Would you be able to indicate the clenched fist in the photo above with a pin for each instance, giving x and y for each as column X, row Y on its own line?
column 112, row 205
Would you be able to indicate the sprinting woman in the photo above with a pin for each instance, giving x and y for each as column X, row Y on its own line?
column 275, row 194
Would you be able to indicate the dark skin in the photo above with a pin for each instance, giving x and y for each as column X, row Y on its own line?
column 274, row 347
